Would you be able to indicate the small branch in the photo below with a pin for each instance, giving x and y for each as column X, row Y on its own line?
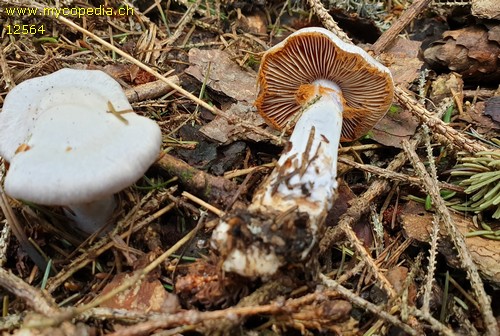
column 357, row 300
column 390, row 34
column 327, row 20
column 367, row 258
column 35, row 299
column 434, row 324
column 262, row 295
column 213, row 189
column 195, row 317
column 150, row 90
column 202, row 203
column 468, row 264
column 451, row 135
column 395, row 176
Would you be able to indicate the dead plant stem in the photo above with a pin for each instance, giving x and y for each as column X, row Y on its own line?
column 491, row 325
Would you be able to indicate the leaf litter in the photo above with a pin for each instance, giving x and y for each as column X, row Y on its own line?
column 366, row 280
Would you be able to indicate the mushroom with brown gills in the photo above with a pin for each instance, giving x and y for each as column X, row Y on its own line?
column 310, row 81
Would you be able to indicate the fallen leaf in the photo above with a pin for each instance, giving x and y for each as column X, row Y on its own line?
column 230, row 157
column 394, row 128
column 203, row 154
column 254, row 23
column 224, row 75
column 446, row 85
column 402, row 60
column 417, row 224
column 397, row 277
column 475, row 116
column 144, row 296
column 492, row 108
column 494, row 33
column 222, row 131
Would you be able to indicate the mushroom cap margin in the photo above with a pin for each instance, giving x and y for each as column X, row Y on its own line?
column 87, row 154
column 315, row 53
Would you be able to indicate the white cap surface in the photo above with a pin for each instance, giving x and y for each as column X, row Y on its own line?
column 70, row 149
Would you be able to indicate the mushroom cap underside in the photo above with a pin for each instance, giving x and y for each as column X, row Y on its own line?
column 313, row 54
column 70, row 149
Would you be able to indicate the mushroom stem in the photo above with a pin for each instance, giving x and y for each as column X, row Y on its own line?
column 305, row 175
column 91, row 217
column 284, row 220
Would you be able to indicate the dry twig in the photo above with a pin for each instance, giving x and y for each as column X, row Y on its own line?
column 395, row 176
column 484, row 302
column 150, row 90
column 211, row 188
column 390, row 34
column 356, row 299
column 454, row 137
column 327, row 20
column 431, row 268
column 186, row 18
column 41, row 304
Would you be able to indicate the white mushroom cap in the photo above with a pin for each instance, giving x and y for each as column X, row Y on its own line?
column 63, row 145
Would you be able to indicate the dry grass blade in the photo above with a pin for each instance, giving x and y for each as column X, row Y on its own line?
column 138, row 63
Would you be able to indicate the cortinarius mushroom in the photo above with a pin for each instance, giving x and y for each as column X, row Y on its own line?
column 310, row 81
column 68, row 144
